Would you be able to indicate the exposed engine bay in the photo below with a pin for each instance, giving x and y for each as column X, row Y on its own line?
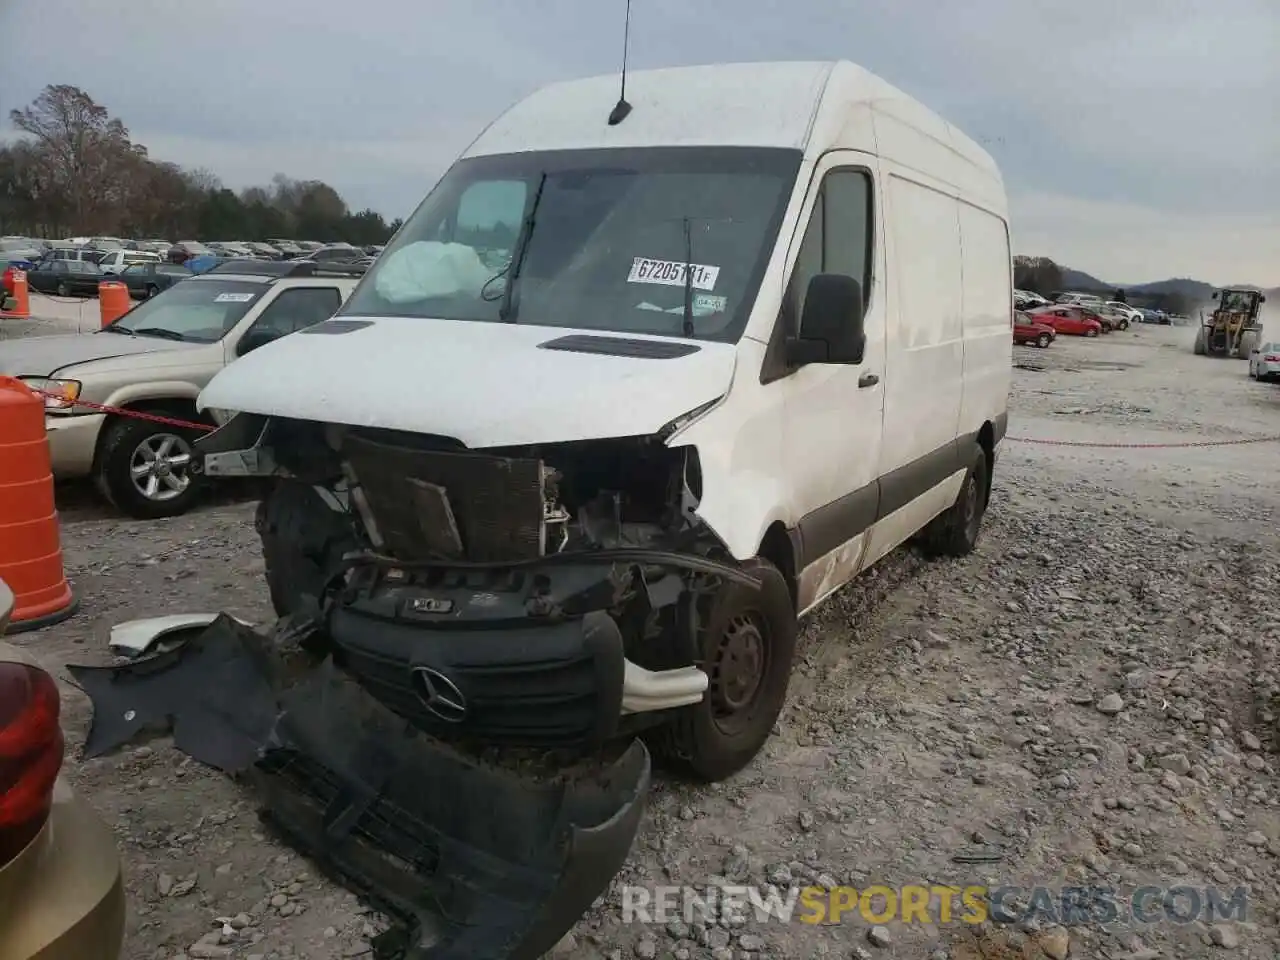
column 543, row 596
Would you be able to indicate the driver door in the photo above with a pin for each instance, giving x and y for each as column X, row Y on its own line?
column 835, row 412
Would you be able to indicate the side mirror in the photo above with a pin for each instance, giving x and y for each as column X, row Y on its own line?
column 1215, row 295
column 254, row 339
column 832, row 325
column 1262, row 299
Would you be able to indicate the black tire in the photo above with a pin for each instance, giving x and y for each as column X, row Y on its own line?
column 1124, row 324
column 1043, row 341
column 151, row 291
column 62, row 289
column 303, row 540
column 119, row 451
column 1091, row 332
column 712, row 740
column 955, row 533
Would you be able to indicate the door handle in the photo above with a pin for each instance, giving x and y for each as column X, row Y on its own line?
column 868, row 380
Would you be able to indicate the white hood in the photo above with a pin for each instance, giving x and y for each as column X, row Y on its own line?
column 485, row 384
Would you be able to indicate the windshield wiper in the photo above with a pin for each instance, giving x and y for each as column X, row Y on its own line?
column 116, row 328
column 688, row 279
column 506, row 310
column 159, row 332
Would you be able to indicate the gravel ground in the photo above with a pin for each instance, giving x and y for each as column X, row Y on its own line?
column 1090, row 694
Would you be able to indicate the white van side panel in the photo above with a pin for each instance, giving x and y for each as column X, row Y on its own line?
column 987, row 316
column 919, row 141
column 924, row 383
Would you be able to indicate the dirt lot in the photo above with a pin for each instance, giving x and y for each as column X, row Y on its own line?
column 1091, row 694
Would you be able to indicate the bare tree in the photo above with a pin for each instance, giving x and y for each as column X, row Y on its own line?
column 75, row 169
column 78, row 143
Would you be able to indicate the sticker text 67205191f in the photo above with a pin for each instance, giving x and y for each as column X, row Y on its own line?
column 670, row 273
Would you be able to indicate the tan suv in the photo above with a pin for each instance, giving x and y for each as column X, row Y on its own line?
column 156, row 359
column 61, row 887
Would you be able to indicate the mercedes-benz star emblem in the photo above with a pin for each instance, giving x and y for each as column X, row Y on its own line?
column 440, row 695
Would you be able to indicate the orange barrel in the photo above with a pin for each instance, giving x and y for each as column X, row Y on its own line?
column 113, row 299
column 30, row 546
column 21, row 309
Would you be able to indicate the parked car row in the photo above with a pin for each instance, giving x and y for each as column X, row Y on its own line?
column 113, row 255
column 74, row 269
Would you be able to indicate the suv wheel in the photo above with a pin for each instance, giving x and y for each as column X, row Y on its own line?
column 144, row 468
column 62, row 289
column 151, row 291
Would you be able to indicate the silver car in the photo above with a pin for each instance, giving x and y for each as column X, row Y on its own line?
column 155, row 360
column 1264, row 362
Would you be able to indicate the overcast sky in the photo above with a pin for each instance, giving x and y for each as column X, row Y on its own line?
column 1139, row 139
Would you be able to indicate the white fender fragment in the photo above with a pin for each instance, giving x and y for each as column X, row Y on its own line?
column 133, row 638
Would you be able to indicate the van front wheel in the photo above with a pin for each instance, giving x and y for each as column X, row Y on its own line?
column 747, row 647
column 955, row 533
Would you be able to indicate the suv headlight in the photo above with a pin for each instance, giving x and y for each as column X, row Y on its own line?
column 58, row 394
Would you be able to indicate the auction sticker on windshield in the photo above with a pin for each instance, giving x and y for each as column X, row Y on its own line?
column 670, row 273
column 234, row 297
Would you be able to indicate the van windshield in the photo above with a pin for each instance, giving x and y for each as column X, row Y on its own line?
column 610, row 236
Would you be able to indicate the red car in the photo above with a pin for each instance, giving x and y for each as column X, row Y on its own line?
column 1070, row 320
column 1027, row 330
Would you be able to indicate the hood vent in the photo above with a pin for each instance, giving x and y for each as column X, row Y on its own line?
column 620, row 347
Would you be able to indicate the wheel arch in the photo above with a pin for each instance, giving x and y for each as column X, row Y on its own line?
column 162, row 405
column 987, row 441
column 778, row 546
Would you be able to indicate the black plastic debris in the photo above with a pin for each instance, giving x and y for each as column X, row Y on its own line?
column 470, row 861
column 216, row 692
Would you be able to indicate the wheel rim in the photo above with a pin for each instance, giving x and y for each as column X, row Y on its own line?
column 63, row 290
column 160, row 467
column 738, row 668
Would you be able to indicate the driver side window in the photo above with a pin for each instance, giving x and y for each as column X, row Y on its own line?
column 837, row 240
column 295, row 310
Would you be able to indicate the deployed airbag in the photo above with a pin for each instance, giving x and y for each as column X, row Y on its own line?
column 429, row 269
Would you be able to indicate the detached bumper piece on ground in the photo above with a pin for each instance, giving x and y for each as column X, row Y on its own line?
column 471, row 862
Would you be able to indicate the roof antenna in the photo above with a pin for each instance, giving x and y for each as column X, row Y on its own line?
column 622, row 109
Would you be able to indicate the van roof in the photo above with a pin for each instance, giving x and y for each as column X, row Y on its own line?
column 808, row 106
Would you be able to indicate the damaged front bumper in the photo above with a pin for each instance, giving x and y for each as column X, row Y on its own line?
column 528, row 655
column 468, row 860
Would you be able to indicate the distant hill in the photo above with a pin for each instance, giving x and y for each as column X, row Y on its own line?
column 1196, row 291
column 1081, row 281
column 1184, row 288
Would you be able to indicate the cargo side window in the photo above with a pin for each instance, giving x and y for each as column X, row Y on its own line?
column 837, row 240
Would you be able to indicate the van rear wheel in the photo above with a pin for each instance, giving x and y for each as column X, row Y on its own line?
column 747, row 648
column 955, row 533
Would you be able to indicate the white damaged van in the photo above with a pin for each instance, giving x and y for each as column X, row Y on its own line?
column 622, row 400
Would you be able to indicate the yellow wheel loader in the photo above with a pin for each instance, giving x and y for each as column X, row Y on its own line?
column 1233, row 329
